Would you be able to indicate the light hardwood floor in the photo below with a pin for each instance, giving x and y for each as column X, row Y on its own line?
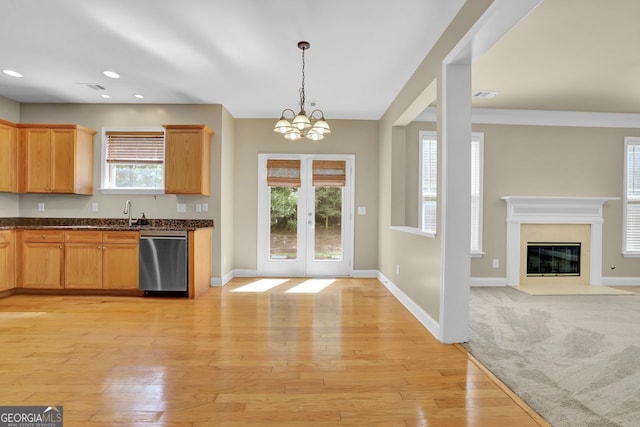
column 348, row 355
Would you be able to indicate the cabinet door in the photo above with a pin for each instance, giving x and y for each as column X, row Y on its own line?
column 83, row 259
column 188, row 160
column 42, row 265
column 62, row 160
column 36, row 160
column 8, row 158
column 7, row 260
column 120, row 266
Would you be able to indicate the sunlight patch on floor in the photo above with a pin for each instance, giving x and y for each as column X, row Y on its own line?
column 261, row 285
column 311, row 286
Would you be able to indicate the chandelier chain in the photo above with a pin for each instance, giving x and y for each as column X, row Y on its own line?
column 302, row 94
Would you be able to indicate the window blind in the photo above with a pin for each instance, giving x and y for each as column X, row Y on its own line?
column 135, row 147
column 632, row 195
column 283, row 173
column 476, row 194
column 329, row 173
column 429, row 175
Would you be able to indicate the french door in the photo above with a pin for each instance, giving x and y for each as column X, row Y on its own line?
column 305, row 220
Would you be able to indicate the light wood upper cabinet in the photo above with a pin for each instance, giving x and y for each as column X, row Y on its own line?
column 8, row 157
column 188, row 159
column 56, row 159
column 7, row 260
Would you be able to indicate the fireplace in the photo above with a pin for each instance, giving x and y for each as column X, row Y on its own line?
column 554, row 219
column 553, row 259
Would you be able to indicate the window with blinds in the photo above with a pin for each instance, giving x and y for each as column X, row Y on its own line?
column 477, row 161
column 429, row 186
column 429, row 181
column 134, row 159
column 631, row 196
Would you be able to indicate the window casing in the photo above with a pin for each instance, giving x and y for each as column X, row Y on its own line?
column 631, row 198
column 429, row 186
column 133, row 160
column 477, row 173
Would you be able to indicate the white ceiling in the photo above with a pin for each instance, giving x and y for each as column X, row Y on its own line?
column 567, row 55
column 239, row 53
column 574, row 55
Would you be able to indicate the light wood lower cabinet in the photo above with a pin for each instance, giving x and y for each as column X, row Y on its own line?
column 83, row 260
column 120, row 259
column 41, row 259
column 78, row 259
column 7, row 260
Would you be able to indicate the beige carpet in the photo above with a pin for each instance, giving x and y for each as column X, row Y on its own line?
column 569, row 289
column 574, row 359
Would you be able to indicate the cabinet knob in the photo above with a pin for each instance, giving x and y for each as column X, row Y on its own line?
column 44, row 236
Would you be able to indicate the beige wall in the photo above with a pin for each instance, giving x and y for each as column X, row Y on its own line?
column 542, row 161
column 97, row 116
column 255, row 136
column 419, row 257
column 552, row 161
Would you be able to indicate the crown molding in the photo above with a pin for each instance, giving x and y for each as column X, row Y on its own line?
column 544, row 118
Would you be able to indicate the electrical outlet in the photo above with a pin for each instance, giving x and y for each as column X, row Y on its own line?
column 205, row 207
column 182, row 208
column 94, row 207
column 198, row 207
column 41, row 207
column 496, row 263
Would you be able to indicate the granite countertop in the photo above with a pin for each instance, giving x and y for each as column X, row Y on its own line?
column 103, row 224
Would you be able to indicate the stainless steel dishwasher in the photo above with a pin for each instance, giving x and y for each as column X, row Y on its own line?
column 163, row 261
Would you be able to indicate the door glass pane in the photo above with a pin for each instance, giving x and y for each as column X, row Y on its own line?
column 283, row 239
column 328, row 223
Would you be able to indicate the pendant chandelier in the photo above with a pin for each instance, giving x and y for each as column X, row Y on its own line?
column 311, row 127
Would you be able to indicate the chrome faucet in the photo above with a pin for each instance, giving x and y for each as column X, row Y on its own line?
column 127, row 211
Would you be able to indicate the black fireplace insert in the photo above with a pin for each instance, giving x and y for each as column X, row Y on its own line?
column 553, row 259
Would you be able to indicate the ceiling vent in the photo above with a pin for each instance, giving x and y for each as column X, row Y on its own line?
column 94, row 86
column 485, row 94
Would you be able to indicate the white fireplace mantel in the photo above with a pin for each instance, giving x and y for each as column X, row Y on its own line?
column 554, row 210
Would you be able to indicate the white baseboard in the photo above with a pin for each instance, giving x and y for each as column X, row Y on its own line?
column 245, row 273
column 422, row 316
column 479, row 282
column 365, row 274
column 621, row 281
column 217, row 281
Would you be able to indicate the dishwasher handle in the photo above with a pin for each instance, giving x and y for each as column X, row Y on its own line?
column 142, row 237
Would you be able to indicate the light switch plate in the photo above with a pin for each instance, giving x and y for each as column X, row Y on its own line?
column 182, row 207
column 362, row 210
column 205, row 207
column 198, row 207
column 94, row 207
column 41, row 207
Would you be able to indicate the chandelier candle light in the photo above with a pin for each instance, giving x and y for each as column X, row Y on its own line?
column 302, row 126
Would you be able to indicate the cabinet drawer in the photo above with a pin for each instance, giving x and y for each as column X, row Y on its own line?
column 34, row 236
column 83, row 236
column 121, row 237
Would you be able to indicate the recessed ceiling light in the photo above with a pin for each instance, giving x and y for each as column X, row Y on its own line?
column 112, row 74
column 104, row 95
column 12, row 73
column 139, row 96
